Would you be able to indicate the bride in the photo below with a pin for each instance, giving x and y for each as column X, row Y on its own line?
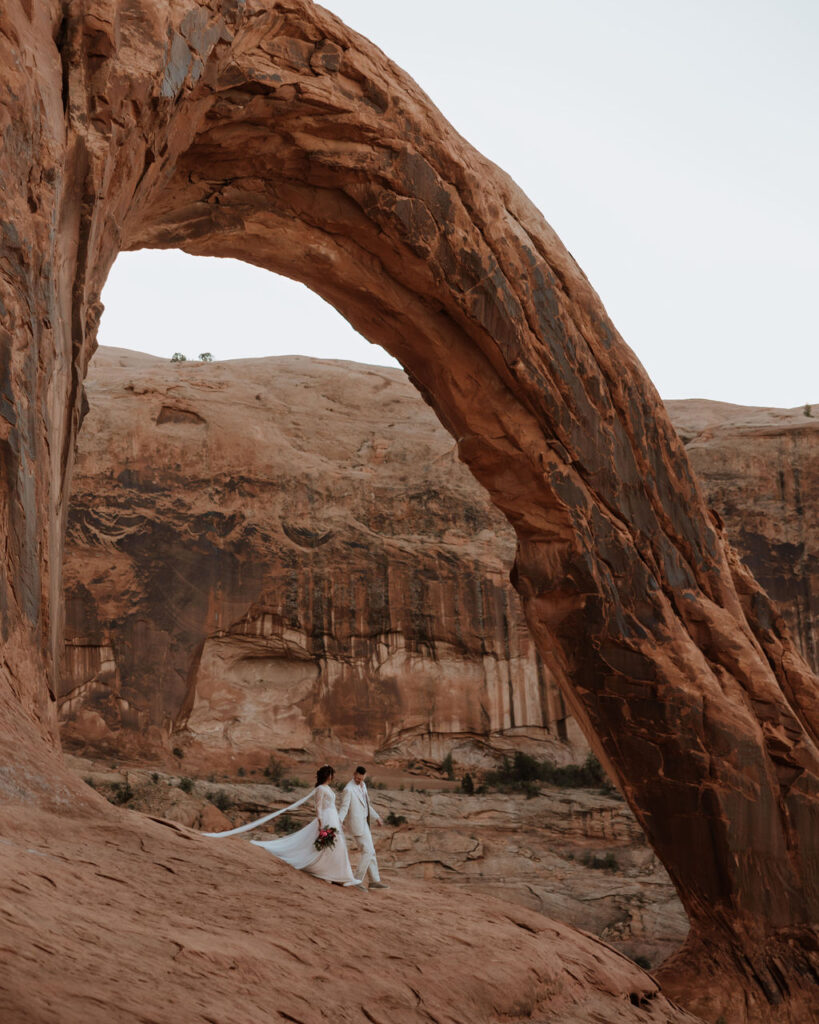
column 331, row 862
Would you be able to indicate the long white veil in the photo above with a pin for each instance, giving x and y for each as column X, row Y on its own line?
column 259, row 821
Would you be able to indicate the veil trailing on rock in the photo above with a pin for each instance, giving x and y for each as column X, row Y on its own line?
column 259, row 821
column 299, row 849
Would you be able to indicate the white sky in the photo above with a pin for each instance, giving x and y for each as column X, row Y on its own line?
column 673, row 146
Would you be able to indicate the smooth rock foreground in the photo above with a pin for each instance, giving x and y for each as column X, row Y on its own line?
column 575, row 855
column 110, row 916
column 269, row 131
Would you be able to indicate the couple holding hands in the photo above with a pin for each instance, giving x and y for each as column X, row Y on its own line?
column 320, row 848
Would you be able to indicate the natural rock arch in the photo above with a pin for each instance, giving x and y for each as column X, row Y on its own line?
column 270, row 132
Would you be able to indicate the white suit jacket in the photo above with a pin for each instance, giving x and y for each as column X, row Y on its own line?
column 355, row 803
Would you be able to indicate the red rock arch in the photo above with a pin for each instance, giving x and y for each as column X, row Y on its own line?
column 270, row 132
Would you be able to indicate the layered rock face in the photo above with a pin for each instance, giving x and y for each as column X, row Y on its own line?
column 287, row 554
column 382, row 623
column 760, row 472
column 271, row 132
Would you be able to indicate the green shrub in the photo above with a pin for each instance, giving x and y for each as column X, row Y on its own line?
column 178, row 752
column 606, row 863
column 395, row 819
column 241, row 772
column 286, row 823
column 186, row 785
column 467, row 785
column 177, row 357
column 274, row 770
column 522, row 772
column 220, row 799
column 447, row 767
column 154, row 777
column 122, row 793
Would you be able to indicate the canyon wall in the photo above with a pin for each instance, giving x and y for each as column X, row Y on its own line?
column 285, row 554
column 760, row 472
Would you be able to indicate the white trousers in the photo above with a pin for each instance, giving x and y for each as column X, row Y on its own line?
column 367, row 861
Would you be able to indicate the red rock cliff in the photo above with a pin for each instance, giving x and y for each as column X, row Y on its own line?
column 271, row 132
column 287, row 554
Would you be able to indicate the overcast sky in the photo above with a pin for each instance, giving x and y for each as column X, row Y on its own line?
column 673, row 147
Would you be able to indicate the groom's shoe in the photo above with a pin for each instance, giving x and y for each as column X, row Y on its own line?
column 379, row 885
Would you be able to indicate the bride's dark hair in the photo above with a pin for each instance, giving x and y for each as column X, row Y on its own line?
column 324, row 773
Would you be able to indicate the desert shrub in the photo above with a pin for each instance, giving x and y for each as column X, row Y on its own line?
column 467, row 785
column 205, row 357
column 807, row 410
column 274, row 770
column 186, row 785
column 178, row 357
column 178, row 752
column 285, row 824
column 447, row 767
column 395, row 819
column 522, row 772
column 606, row 863
column 644, row 962
column 122, row 793
column 220, row 799
column 154, row 777
column 241, row 772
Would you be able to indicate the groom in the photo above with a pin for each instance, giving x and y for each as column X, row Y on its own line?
column 356, row 803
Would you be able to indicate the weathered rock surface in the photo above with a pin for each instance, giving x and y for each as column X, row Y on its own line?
column 575, row 855
column 112, row 916
column 287, row 554
column 760, row 472
column 270, row 132
column 383, row 624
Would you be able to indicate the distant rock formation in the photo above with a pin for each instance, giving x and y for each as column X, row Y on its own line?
column 287, row 554
column 760, row 471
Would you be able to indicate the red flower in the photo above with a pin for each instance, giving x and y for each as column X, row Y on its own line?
column 326, row 838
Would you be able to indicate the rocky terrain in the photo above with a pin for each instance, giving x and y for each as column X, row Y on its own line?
column 109, row 915
column 573, row 854
column 273, row 133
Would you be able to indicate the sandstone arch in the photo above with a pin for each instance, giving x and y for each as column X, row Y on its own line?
column 270, row 132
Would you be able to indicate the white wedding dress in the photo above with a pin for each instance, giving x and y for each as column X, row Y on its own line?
column 298, row 849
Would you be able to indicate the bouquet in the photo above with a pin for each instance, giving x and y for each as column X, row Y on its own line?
column 326, row 838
